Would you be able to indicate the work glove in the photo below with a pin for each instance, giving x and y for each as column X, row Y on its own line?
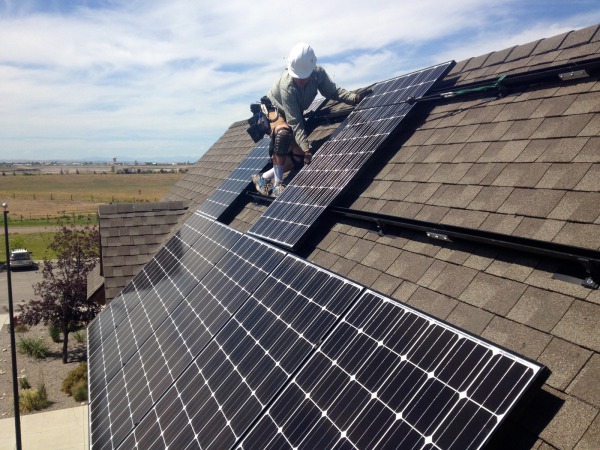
column 307, row 157
column 360, row 96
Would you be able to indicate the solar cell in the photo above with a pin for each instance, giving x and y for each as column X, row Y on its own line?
column 391, row 377
column 248, row 361
column 338, row 161
column 239, row 180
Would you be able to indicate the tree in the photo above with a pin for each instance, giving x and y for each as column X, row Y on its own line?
column 63, row 289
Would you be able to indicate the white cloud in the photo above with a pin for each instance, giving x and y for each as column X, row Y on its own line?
column 143, row 78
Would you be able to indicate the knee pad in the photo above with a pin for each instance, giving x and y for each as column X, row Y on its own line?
column 282, row 141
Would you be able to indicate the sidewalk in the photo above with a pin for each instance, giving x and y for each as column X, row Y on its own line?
column 64, row 429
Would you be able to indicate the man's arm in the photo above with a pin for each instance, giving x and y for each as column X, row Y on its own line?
column 330, row 90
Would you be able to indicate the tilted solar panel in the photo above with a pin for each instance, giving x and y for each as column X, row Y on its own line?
column 168, row 351
column 123, row 306
column 239, row 180
column 338, row 161
column 391, row 377
column 248, row 361
column 117, row 339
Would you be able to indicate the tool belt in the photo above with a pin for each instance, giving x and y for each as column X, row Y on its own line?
column 261, row 119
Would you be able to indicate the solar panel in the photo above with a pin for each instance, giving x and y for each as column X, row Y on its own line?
column 234, row 343
column 239, row 180
column 248, row 361
column 118, row 308
column 391, row 377
column 338, row 161
column 119, row 331
column 123, row 306
column 185, row 332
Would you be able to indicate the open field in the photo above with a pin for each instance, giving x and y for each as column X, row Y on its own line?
column 37, row 203
column 43, row 197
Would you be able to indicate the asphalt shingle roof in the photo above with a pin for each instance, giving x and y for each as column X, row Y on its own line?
column 130, row 235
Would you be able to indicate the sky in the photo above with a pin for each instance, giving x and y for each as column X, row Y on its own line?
column 156, row 80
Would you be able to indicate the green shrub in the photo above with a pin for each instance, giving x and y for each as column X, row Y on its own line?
column 75, row 376
column 79, row 336
column 16, row 242
column 36, row 348
column 34, row 399
column 54, row 332
column 24, row 383
column 79, row 392
column 21, row 328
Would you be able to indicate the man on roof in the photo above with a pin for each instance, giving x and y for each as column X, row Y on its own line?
column 291, row 94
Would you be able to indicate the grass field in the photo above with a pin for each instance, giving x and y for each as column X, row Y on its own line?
column 32, row 198
column 45, row 200
column 36, row 243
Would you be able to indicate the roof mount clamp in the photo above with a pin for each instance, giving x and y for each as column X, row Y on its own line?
column 592, row 274
column 573, row 75
column 438, row 236
column 592, row 269
column 590, row 283
column 585, row 282
column 379, row 228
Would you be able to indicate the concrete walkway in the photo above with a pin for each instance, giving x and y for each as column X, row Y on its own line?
column 63, row 429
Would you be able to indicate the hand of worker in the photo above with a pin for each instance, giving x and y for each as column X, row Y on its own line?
column 307, row 157
column 360, row 96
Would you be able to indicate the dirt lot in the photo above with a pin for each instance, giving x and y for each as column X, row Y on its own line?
column 51, row 369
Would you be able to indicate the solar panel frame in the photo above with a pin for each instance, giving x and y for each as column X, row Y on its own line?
column 389, row 376
column 342, row 157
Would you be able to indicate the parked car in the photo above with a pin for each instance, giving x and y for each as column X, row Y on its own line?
column 20, row 258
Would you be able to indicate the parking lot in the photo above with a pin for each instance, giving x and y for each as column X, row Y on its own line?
column 22, row 282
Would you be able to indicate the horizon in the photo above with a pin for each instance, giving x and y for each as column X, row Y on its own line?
column 85, row 79
column 100, row 161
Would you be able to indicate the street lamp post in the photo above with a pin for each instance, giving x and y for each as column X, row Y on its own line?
column 13, row 352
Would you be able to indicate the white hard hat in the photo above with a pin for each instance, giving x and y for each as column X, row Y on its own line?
column 302, row 61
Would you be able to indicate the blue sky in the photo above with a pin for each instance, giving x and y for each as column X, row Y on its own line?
column 146, row 79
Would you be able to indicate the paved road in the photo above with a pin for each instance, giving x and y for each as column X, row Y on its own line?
column 22, row 282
